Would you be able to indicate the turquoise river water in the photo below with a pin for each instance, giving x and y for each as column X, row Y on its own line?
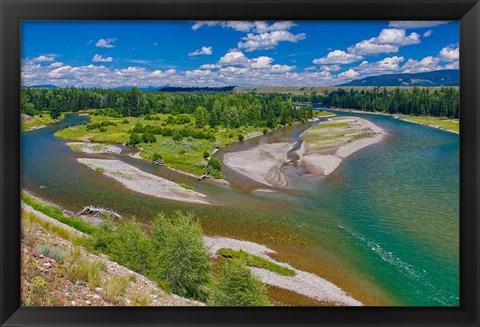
column 384, row 226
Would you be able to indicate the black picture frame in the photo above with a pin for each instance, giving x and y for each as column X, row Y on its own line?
column 13, row 12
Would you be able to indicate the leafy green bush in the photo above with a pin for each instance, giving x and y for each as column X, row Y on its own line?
column 103, row 129
column 131, row 247
column 134, row 139
column 181, row 256
column 237, row 286
column 138, row 128
column 206, row 155
column 156, row 156
column 149, row 138
column 177, row 137
column 241, row 137
column 215, row 164
column 265, row 131
column 125, row 121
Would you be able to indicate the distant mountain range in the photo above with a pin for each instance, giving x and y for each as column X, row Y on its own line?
column 144, row 89
column 196, row 89
column 447, row 77
column 44, row 86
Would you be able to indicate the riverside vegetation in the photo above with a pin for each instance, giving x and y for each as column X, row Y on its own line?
column 171, row 253
column 181, row 128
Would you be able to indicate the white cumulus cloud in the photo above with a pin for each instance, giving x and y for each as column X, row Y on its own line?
column 105, row 43
column 268, row 40
column 449, row 53
column 100, row 58
column 394, row 36
column 427, row 64
column 348, row 74
column 43, row 58
column 338, row 57
column 202, row 51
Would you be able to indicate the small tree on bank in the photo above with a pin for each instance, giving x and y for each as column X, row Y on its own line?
column 183, row 260
column 237, row 286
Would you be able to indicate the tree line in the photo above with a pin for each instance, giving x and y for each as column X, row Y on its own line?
column 226, row 109
column 442, row 102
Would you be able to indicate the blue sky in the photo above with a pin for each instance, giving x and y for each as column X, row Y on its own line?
column 112, row 54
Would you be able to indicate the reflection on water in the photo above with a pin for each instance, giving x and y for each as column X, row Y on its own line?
column 384, row 225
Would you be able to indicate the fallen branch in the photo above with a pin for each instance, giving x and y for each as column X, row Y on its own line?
column 94, row 211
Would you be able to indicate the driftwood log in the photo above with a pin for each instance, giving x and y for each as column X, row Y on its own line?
column 94, row 211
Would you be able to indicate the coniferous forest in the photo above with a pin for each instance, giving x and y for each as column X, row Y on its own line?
column 438, row 102
column 227, row 109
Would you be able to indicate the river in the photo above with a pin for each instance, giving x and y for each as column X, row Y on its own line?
column 384, row 226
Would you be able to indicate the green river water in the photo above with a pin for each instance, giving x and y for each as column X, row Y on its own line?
column 384, row 226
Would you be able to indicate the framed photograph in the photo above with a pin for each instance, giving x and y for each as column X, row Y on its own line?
column 240, row 163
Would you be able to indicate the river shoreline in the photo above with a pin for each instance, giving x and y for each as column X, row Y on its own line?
column 302, row 283
column 396, row 116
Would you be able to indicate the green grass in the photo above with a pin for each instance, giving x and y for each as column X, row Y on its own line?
column 254, row 261
column 85, row 270
column 56, row 213
column 185, row 186
column 37, row 121
column 321, row 113
column 441, row 122
column 186, row 154
column 29, row 218
column 331, row 125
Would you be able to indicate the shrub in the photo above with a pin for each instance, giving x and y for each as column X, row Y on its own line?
column 183, row 119
column 52, row 252
column 149, row 138
column 236, row 286
column 240, row 137
column 206, row 155
column 156, row 156
column 93, row 126
column 265, row 131
column 177, row 137
column 167, row 132
column 38, row 285
column 138, row 128
column 131, row 247
column 215, row 164
column 125, row 121
column 134, row 139
column 103, row 236
column 181, row 256
column 103, row 129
